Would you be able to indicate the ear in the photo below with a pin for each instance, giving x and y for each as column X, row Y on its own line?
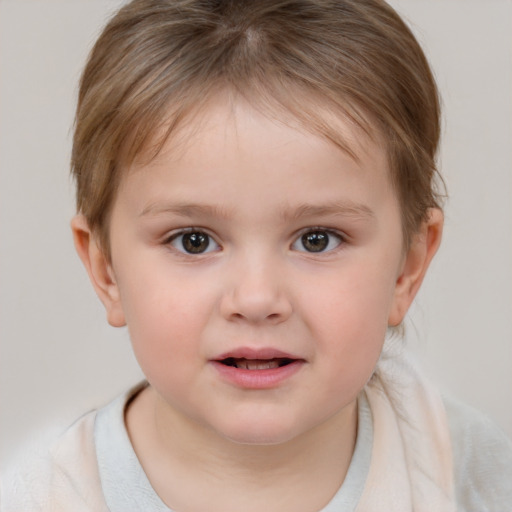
column 417, row 259
column 99, row 269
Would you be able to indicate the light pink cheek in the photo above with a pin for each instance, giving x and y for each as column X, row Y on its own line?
column 166, row 326
column 152, row 328
column 352, row 321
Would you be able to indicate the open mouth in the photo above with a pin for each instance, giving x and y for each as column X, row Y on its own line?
column 256, row 364
column 265, row 368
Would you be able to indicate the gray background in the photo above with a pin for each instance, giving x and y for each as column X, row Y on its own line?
column 59, row 358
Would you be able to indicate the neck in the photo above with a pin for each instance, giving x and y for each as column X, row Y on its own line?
column 180, row 456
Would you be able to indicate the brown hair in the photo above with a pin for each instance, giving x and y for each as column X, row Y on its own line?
column 158, row 61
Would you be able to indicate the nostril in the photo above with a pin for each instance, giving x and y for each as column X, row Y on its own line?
column 255, row 304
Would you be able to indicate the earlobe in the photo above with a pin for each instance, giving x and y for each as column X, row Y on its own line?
column 99, row 270
column 416, row 262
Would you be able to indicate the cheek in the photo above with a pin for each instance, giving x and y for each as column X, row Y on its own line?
column 349, row 312
column 350, row 336
column 166, row 315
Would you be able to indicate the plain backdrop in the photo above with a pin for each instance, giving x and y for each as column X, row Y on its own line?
column 59, row 358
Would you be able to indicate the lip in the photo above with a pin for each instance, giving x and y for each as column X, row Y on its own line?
column 257, row 379
column 256, row 353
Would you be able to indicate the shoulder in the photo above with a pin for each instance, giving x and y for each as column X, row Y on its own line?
column 482, row 456
column 63, row 478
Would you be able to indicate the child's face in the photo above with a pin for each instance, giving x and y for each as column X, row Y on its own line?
column 258, row 267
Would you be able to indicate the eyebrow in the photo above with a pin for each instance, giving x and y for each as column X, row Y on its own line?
column 185, row 210
column 338, row 209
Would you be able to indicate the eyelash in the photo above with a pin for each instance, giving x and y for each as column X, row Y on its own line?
column 323, row 241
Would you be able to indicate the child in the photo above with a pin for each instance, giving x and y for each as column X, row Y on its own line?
column 257, row 203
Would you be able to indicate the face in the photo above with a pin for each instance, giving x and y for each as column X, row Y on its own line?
column 256, row 266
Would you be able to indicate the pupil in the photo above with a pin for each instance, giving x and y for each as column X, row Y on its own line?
column 315, row 241
column 195, row 242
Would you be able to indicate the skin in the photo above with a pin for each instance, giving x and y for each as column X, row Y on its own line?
column 253, row 187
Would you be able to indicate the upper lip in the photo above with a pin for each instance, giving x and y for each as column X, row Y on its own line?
column 266, row 353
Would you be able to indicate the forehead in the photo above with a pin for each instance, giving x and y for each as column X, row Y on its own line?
column 232, row 146
column 352, row 130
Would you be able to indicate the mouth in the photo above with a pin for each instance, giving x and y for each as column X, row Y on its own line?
column 256, row 364
column 262, row 368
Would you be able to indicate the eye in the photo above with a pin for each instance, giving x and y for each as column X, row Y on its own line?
column 193, row 242
column 317, row 240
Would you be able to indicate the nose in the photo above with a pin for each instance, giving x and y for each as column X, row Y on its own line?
column 256, row 294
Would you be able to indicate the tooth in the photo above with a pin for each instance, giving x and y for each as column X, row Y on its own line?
column 257, row 364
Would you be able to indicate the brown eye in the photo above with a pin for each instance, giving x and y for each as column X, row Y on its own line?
column 318, row 240
column 194, row 242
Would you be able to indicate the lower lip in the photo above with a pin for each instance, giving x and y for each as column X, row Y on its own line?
column 257, row 379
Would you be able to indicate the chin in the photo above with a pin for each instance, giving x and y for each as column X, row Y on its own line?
column 259, row 433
